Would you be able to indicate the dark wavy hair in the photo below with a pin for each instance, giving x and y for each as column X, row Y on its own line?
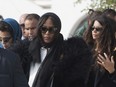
column 106, row 41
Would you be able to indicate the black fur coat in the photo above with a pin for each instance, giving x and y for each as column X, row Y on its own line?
column 71, row 70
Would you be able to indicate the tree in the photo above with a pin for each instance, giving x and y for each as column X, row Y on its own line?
column 100, row 4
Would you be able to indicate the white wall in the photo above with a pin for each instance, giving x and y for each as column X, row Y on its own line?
column 69, row 13
column 14, row 8
column 66, row 10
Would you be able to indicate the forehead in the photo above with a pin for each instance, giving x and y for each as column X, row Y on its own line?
column 32, row 22
column 48, row 22
column 4, row 33
column 96, row 23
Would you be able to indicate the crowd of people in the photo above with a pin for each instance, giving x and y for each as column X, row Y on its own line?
column 33, row 52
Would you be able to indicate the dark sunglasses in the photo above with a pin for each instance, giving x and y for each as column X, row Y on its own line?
column 50, row 30
column 97, row 29
column 5, row 39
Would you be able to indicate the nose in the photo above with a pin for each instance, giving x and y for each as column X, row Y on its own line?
column 30, row 32
column 47, row 32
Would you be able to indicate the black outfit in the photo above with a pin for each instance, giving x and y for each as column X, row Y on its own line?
column 66, row 64
column 11, row 73
column 20, row 47
column 101, row 78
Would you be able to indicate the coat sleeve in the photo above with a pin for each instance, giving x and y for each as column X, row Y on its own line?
column 113, row 77
column 19, row 77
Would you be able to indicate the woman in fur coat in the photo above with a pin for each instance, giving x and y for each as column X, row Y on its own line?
column 63, row 63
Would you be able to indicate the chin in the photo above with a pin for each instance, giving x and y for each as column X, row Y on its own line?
column 47, row 42
column 94, row 38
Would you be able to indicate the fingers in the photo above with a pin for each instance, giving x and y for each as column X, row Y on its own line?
column 101, row 58
column 101, row 63
column 112, row 59
column 104, row 59
column 106, row 56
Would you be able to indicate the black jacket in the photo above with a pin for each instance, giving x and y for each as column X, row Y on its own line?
column 101, row 78
column 20, row 47
column 11, row 73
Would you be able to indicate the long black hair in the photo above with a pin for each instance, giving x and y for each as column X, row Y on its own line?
column 106, row 41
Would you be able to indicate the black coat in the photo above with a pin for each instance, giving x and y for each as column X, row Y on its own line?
column 101, row 78
column 69, row 66
column 11, row 73
column 20, row 47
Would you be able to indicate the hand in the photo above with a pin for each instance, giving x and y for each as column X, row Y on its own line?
column 106, row 62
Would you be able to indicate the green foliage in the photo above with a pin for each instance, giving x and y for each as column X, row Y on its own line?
column 100, row 4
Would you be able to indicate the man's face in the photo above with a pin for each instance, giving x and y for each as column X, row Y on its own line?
column 31, row 28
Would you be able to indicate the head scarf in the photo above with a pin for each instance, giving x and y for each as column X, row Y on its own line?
column 57, row 24
column 15, row 27
column 57, row 21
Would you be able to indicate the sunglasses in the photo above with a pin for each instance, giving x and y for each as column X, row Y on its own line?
column 50, row 30
column 97, row 29
column 5, row 39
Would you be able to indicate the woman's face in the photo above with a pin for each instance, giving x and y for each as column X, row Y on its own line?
column 5, row 39
column 96, row 30
column 48, row 31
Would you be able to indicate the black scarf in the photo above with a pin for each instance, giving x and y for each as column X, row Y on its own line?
column 46, row 69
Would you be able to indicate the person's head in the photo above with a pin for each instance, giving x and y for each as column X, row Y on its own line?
column 21, row 22
column 9, row 32
column 1, row 18
column 22, row 19
column 92, row 14
column 31, row 22
column 102, row 33
column 111, row 13
column 49, row 27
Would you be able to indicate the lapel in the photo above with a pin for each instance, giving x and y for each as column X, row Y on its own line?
column 98, row 77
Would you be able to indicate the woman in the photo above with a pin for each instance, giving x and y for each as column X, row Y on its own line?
column 10, row 39
column 100, row 36
column 10, row 32
column 60, row 63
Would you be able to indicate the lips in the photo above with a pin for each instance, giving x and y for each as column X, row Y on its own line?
column 46, row 38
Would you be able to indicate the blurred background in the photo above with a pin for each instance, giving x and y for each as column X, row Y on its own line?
column 71, row 12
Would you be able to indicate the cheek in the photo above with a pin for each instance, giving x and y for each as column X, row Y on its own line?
column 6, row 45
column 95, row 35
column 48, row 38
column 52, row 37
column 10, row 42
